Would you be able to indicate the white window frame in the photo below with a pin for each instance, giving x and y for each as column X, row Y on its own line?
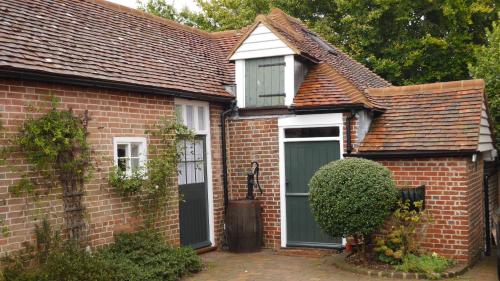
column 195, row 104
column 208, row 154
column 303, row 121
column 129, row 140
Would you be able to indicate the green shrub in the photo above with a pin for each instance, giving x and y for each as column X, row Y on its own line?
column 429, row 264
column 352, row 196
column 70, row 263
column 144, row 256
column 133, row 257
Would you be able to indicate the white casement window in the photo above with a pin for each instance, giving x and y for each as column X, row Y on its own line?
column 130, row 153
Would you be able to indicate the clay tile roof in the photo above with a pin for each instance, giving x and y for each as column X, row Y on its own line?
column 324, row 85
column 101, row 40
column 428, row 117
column 96, row 39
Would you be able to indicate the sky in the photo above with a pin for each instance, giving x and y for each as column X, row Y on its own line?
column 178, row 4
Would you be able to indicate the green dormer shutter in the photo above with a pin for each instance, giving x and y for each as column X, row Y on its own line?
column 265, row 82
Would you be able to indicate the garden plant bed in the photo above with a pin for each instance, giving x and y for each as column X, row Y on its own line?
column 383, row 270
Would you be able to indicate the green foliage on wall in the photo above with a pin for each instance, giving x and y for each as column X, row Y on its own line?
column 54, row 142
column 151, row 187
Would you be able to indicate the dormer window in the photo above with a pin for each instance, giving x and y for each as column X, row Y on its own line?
column 265, row 82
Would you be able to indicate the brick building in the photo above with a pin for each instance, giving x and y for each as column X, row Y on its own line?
column 273, row 92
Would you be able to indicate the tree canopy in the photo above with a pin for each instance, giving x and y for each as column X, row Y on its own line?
column 404, row 41
column 487, row 66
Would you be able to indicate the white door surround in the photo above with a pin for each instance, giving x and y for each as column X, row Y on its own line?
column 302, row 121
column 206, row 131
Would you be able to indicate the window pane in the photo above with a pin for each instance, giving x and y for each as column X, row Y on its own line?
column 190, row 117
column 178, row 113
column 122, row 150
column 199, row 153
column 312, row 132
column 181, row 149
column 134, row 149
column 122, row 164
column 190, row 172
column 181, row 170
column 190, row 151
column 134, row 164
column 201, row 118
column 200, row 172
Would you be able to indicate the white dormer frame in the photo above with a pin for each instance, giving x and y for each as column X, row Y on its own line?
column 260, row 43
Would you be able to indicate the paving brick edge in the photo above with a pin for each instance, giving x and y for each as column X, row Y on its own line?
column 339, row 262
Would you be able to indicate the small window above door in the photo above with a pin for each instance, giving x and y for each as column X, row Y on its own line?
column 193, row 114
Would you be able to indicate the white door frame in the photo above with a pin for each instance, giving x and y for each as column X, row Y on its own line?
column 208, row 152
column 303, row 121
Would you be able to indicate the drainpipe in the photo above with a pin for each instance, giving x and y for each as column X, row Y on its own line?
column 232, row 108
column 348, row 131
column 486, row 198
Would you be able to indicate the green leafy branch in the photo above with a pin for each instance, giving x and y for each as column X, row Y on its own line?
column 151, row 186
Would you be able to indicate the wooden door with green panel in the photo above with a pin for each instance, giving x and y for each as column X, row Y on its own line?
column 193, row 205
column 302, row 160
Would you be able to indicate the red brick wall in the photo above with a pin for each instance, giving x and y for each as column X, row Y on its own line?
column 257, row 139
column 113, row 114
column 453, row 198
column 475, row 207
column 218, row 192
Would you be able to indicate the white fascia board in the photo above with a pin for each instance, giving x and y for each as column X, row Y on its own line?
column 289, row 79
column 240, row 83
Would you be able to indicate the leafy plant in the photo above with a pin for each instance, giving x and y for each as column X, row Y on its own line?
column 429, row 264
column 133, row 257
column 124, row 184
column 145, row 256
column 151, row 187
column 55, row 145
column 487, row 66
column 400, row 240
column 352, row 197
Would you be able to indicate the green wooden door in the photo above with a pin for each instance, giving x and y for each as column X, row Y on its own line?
column 302, row 160
column 193, row 206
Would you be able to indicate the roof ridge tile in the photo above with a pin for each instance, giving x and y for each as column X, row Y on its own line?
column 450, row 86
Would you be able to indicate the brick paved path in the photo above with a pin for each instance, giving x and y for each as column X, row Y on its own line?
column 266, row 265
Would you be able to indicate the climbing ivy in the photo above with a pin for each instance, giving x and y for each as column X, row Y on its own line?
column 151, row 186
column 55, row 145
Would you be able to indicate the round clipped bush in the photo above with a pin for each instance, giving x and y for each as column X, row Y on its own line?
column 352, row 196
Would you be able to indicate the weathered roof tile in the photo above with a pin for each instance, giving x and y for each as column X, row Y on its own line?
column 428, row 117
